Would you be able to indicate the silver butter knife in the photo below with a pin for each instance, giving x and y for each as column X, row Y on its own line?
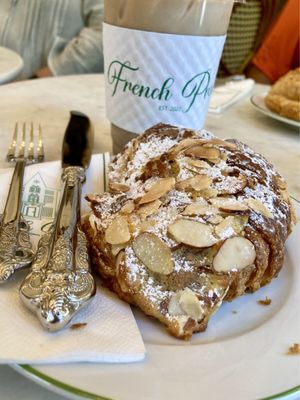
column 60, row 282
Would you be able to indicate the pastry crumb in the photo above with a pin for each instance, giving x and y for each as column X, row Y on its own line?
column 78, row 326
column 294, row 349
column 265, row 302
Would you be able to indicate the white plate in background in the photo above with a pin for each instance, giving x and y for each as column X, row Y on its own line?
column 258, row 101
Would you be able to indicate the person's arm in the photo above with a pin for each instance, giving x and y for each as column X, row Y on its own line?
column 43, row 73
column 83, row 54
column 276, row 54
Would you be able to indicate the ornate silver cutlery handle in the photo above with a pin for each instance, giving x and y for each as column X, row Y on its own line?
column 15, row 246
column 60, row 282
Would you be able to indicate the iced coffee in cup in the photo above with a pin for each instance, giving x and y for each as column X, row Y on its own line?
column 161, row 60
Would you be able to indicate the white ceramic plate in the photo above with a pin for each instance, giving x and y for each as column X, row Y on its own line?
column 242, row 355
column 11, row 64
column 258, row 101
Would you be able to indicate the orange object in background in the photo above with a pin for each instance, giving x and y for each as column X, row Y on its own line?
column 279, row 51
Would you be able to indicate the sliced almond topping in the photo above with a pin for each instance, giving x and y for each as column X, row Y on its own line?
column 230, row 226
column 128, row 207
column 146, row 225
column 192, row 162
column 189, row 302
column 199, row 209
column 154, row 253
column 220, row 142
column 215, row 219
column 259, row 207
column 174, row 306
column 214, row 141
column 228, row 204
column 120, row 258
column 235, row 253
column 118, row 231
column 116, row 248
column 159, row 189
column 208, row 193
column 192, row 233
column 281, row 183
column 185, row 302
column 293, row 215
column 93, row 220
column 239, row 223
column 198, row 182
column 224, row 157
column 150, row 208
column 209, row 153
column 285, row 195
column 215, row 160
column 118, row 187
column 225, row 229
column 183, row 145
column 233, row 207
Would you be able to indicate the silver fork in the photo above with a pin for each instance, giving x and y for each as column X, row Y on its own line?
column 15, row 247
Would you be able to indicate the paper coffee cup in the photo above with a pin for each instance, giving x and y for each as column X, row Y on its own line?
column 161, row 59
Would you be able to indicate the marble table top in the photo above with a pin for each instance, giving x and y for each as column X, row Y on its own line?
column 11, row 65
column 49, row 101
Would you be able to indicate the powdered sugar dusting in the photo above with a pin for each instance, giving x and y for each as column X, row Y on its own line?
column 181, row 264
column 263, row 192
column 149, row 150
column 107, row 205
column 145, row 152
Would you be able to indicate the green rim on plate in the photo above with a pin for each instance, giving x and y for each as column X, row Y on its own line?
column 92, row 396
column 61, row 385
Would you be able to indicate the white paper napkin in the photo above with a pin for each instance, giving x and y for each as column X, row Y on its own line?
column 109, row 333
column 225, row 95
